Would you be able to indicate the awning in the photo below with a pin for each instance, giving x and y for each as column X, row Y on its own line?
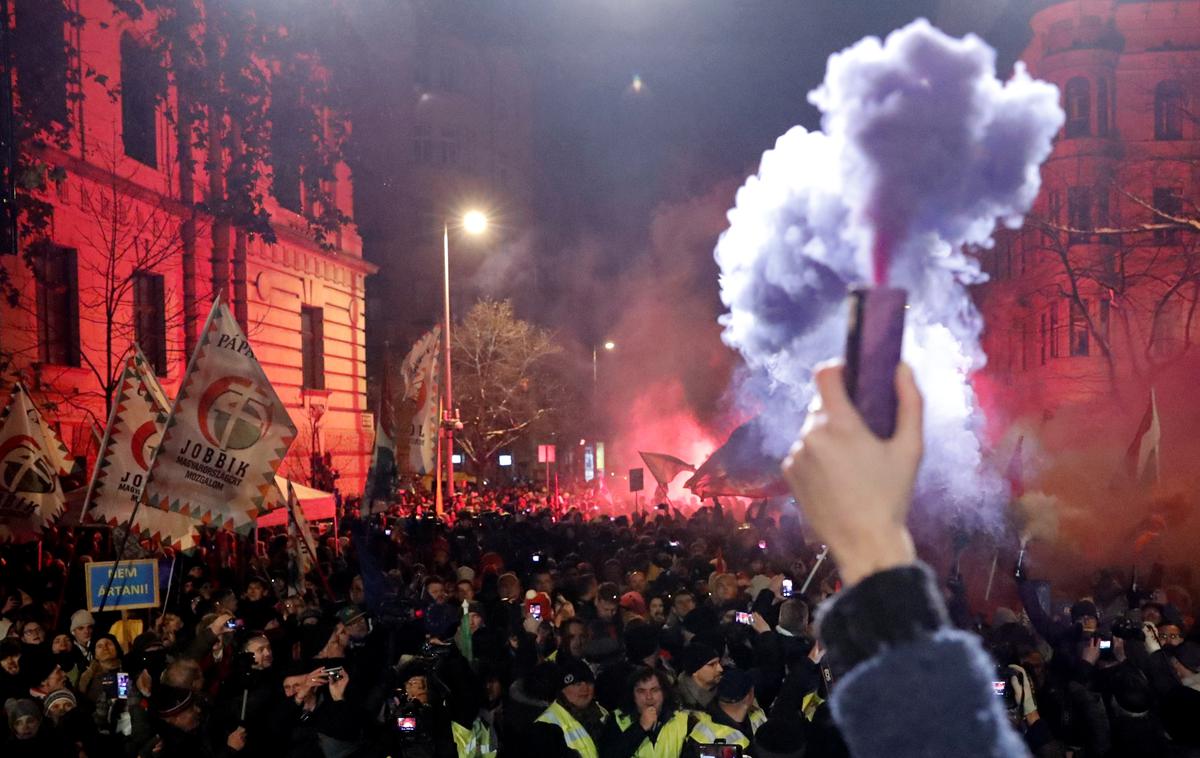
column 315, row 504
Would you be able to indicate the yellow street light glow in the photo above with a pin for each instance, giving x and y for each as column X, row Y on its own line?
column 474, row 222
column 610, row 345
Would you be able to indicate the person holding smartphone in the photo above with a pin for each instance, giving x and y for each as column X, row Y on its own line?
column 900, row 667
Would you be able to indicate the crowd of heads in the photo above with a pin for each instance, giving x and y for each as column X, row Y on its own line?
column 413, row 634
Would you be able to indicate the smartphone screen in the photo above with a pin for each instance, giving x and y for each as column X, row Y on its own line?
column 743, row 618
column 787, row 588
column 1105, row 644
column 406, row 723
column 122, row 685
column 536, row 611
column 999, row 687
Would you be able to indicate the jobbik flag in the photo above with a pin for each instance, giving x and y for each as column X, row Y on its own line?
column 135, row 427
column 420, row 404
column 32, row 463
column 304, row 551
column 226, row 436
column 381, row 477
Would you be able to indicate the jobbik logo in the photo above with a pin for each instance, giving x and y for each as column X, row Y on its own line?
column 234, row 414
column 141, row 447
column 24, row 469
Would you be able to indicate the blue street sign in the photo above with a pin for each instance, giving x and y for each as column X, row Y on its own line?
column 134, row 586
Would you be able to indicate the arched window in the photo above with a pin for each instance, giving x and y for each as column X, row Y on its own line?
column 1168, row 110
column 1079, row 105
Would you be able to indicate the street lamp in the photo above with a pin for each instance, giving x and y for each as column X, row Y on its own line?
column 473, row 222
column 609, row 345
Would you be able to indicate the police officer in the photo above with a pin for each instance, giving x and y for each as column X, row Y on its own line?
column 571, row 726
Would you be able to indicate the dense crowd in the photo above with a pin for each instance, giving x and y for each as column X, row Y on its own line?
column 506, row 630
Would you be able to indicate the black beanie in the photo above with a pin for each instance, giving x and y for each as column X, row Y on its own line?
column 696, row 655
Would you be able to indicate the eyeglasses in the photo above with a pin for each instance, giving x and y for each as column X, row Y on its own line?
column 1172, row 636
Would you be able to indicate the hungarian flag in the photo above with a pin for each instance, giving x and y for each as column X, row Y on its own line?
column 381, row 477
column 226, row 435
column 664, row 468
column 135, row 427
column 740, row 468
column 419, row 372
column 304, row 550
column 32, row 463
column 1144, row 450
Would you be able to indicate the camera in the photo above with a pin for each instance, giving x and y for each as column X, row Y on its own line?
column 1127, row 630
column 1105, row 644
column 233, row 624
column 720, row 750
column 787, row 588
column 742, row 617
column 335, row 673
column 406, row 723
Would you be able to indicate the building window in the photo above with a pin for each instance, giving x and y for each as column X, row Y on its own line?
column 150, row 318
column 1102, row 100
column 1079, row 214
column 423, row 144
column 288, row 143
column 1103, row 217
column 1168, row 201
column 1079, row 328
column 1044, row 333
column 141, row 85
column 1168, row 110
column 58, row 307
column 1079, row 104
column 39, row 54
column 1054, row 329
column 312, row 348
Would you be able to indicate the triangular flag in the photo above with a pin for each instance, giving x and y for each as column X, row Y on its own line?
column 664, row 468
column 135, row 427
column 1145, row 446
column 304, row 551
column 32, row 462
column 226, row 435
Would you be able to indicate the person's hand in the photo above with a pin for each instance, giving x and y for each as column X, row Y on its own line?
column 1022, row 691
column 1118, row 649
column 217, row 627
column 1091, row 651
column 337, row 687
column 854, row 487
column 760, row 624
column 776, row 587
column 11, row 604
column 530, row 624
column 237, row 739
column 1150, row 631
column 817, row 652
column 648, row 718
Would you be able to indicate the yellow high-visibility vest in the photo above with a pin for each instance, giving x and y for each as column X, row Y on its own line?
column 574, row 733
column 670, row 738
column 475, row 742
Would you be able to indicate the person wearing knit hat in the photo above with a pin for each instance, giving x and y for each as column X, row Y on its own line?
column 634, row 605
column 24, row 718
column 700, row 674
column 734, row 715
column 43, row 673
column 573, row 722
column 1084, row 614
column 82, row 627
column 59, row 703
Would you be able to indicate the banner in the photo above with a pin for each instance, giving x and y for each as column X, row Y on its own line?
column 226, row 435
column 135, row 427
column 134, row 586
column 32, row 462
column 739, row 467
column 381, row 477
column 421, row 375
column 300, row 540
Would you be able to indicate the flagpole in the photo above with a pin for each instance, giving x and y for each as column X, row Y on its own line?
column 200, row 344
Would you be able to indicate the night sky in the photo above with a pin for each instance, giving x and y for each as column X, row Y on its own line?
column 722, row 80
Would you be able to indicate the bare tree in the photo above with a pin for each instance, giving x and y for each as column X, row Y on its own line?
column 508, row 379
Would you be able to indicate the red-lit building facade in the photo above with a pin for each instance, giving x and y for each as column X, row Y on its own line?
column 135, row 253
column 1095, row 300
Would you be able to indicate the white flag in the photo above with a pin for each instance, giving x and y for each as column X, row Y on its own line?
column 135, row 427
column 32, row 462
column 421, row 389
column 226, row 435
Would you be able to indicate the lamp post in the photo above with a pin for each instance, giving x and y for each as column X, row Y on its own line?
column 473, row 222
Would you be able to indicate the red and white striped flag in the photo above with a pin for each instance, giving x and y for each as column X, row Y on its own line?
column 1145, row 448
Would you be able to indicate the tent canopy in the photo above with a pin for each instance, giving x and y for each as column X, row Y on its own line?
column 315, row 504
